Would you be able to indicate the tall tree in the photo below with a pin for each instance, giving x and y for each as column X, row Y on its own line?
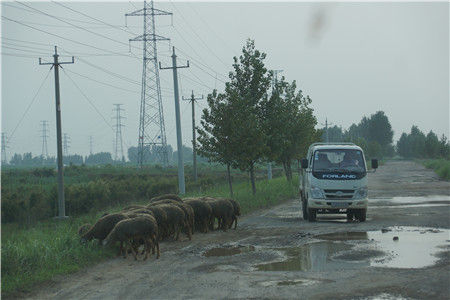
column 288, row 124
column 247, row 88
column 216, row 138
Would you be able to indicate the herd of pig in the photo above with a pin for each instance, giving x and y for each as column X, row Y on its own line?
column 164, row 217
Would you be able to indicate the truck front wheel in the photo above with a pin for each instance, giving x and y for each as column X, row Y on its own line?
column 360, row 214
column 312, row 214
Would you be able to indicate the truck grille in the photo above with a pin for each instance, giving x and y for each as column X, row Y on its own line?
column 339, row 194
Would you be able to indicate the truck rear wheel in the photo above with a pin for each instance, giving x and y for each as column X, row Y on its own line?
column 360, row 215
column 312, row 213
column 304, row 209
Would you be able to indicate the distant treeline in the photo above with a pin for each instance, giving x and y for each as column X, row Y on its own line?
column 102, row 158
column 418, row 145
column 374, row 134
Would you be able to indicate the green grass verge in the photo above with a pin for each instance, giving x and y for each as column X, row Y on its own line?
column 49, row 248
column 440, row 166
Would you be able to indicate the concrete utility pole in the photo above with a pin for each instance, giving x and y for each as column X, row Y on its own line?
column 56, row 64
column 44, row 137
column 326, row 129
column 118, row 143
column 4, row 146
column 194, row 142
column 174, row 68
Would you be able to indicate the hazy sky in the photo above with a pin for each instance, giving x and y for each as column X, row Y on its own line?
column 351, row 58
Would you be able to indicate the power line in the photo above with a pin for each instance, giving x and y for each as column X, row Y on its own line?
column 29, row 105
column 76, row 26
column 210, row 28
column 90, row 17
column 195, row 32
column 59, row 36
column 87, row 99
column 104, row 83
column 91, row 103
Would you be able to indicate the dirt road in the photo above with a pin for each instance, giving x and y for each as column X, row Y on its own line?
column 276, row 254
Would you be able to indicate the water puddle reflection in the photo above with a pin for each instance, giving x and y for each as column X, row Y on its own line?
column 228, row 251
column 397, row 247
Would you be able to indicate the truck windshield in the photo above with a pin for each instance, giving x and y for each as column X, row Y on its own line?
column 338, row 160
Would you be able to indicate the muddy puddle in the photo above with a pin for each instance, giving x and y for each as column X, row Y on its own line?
column 304, row 282
column 227, row 251
column 397, row 247
column 411, row 201
column 309, row 257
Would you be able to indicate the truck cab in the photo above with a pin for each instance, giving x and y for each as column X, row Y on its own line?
column 334, row 180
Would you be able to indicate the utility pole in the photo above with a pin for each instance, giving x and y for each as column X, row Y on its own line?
column 274, row 84
column 66, row 145
column 4, row 146
column 44, row 137
column 118, row 143
column 326, row 129
column 194, row 142
column 56, row 64
column 90, row 144
column 177, row 115
column 152, row 131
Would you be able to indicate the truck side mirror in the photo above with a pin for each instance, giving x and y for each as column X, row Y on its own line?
column 304, row 163
column 374, row 163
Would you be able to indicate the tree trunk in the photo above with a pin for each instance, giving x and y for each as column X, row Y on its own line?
column 287, row 169
column 252, row 178
column 229, row 180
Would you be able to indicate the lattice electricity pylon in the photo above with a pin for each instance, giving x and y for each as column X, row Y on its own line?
column 44, row 137
column 152, row 131
column 118, row 143
column 66, row 144
column 4, row 146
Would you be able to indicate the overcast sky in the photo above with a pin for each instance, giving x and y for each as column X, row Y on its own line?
column 351, row 58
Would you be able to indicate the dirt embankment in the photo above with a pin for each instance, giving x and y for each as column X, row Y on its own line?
column 276, row 254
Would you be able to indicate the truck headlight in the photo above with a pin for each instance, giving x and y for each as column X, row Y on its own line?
column 317, row 193
column 361, row 193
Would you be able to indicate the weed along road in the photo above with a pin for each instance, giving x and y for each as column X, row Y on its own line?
column 401, row 251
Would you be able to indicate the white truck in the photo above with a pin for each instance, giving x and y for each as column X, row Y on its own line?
column 334, row 180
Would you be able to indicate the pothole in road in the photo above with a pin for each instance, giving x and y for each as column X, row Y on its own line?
column 404, row 247
column 228, row 251
column 412, row 201
column 397, row 247
column 314, row 256
column 289, row 282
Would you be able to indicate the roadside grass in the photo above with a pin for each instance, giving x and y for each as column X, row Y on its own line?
column 440, row 166
column 33, row 255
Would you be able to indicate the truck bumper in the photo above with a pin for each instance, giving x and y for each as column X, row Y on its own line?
column 338, row 204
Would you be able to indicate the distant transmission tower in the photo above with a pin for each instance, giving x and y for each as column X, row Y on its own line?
column 90, row 144
column 118, row 144
column 152, row 131
column 66, row 144
column 44, row 137
column 4, row 146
